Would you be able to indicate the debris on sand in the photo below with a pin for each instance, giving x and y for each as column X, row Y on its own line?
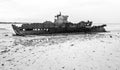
column 5, row 51
column 110, row 36
column 75, row 52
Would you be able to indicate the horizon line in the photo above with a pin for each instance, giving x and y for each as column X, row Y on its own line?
column 42, row 22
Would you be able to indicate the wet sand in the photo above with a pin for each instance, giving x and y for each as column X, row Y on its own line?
column 60, row 52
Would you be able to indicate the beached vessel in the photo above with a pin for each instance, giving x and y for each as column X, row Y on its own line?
column 60, row 25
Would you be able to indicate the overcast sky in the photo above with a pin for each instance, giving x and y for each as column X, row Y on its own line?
column 99, row 11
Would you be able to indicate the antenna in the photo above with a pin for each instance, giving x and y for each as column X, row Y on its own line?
column 60, row 13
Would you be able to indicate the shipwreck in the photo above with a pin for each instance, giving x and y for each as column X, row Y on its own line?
column 60, row 25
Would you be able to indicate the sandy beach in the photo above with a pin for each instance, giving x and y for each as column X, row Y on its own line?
column 60, row 34
column 60, row 52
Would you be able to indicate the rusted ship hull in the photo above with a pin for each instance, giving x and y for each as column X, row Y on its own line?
column 20, row 31
column 60, row 25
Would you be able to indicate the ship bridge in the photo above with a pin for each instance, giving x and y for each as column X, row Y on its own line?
column 60, row 19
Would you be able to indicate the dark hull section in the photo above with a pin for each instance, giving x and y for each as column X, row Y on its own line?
column 20, row 31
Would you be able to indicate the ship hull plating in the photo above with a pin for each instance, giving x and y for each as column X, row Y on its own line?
column 19, row 31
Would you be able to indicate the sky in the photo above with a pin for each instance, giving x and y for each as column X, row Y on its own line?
column 98, row 11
